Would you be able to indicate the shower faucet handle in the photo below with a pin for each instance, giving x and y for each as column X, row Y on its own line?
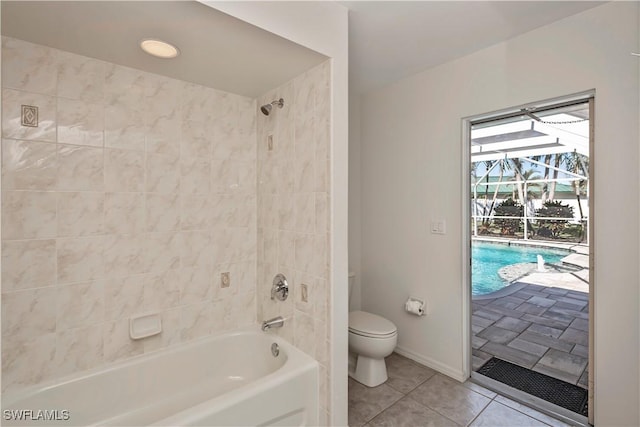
column 280, row 287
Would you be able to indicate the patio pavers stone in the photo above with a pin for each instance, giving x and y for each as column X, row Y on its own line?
column 580, row 350
column 575, row 336
column 511, row 354
column 541, row 302
column 481, row 321
column 488, row 314
column 546, row 341
column 529, row 347
column 545, row 321
column 580, row 324
column 512, row 324
column 562, row 364
column 545, row 330
column 498, row 335
column 531, row 309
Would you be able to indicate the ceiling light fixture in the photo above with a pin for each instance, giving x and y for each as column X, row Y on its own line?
column 159, row 49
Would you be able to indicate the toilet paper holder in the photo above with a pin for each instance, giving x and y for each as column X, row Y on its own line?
column 415, row 306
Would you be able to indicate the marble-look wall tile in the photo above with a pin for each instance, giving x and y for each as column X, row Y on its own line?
column 80, row 168
column 123, row 170
column 294, row 175
column 80, row 123
column 322, row 213
column 124, row 86
column 80, row 259
column 124, row 213
column 29, row 313
column 163, row 133
column 196, row 249
column 195, row 176
column 305, row 212
column 28, row 264
column 124, row 127
column 162, row 94
column 163, row 173
column 195, row 141
column 304, row 334
column 136, row 192
column 12, row 102
column 28, row 214
column 79, row 349
column 29, row 165
column 162, row 290
column 80, row 77
column 27, row 362
column 242, row 279
column 123, row 297
column 124, row 255
column 162, row 251
column 29, row 67
column 171, row 331
column 79, row 305
column 163, row 212
column 197, row 320
column 196, row 285
column 80, row 214
column 239, row 311
column 116, row 341
column 195, row 212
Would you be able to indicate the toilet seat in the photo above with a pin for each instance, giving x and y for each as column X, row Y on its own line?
column 370, row 325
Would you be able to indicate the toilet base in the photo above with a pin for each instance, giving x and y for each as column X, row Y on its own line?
column 369, row 372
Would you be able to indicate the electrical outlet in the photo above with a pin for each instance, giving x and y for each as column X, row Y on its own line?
column 304, row 293
column 225, row 280
column 270, row 143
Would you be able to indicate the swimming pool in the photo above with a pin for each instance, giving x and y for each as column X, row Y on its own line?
column 488, row 258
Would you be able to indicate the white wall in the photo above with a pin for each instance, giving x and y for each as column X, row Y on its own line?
column 355, row 211
column 412, row 173
column 323, row 27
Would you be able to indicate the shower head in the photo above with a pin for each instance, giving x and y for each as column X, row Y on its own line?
column 266, row 108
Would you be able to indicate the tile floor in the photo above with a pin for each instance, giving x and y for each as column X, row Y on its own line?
column 416, row 395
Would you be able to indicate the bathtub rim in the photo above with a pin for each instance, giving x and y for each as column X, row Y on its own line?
column 294, row 356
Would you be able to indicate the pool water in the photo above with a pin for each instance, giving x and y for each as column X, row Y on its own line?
column 488, row 258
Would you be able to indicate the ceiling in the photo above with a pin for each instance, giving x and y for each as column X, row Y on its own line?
column 389, row 40
column 216, row 49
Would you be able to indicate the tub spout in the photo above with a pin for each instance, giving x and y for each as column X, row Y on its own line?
column 276, row 322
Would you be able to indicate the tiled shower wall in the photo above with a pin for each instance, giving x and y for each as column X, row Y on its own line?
column 133, row 194
column 293, row 214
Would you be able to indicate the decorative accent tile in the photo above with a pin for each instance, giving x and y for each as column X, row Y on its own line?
column 12, row 127
column 29, row 116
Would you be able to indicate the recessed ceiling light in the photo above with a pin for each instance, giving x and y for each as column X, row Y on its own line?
column 159, row 49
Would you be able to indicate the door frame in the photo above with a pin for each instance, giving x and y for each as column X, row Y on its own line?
column 539, row 404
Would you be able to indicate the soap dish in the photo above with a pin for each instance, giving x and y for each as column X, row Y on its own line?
column 145, row 325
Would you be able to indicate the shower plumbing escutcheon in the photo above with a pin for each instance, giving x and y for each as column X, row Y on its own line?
column 280, row 287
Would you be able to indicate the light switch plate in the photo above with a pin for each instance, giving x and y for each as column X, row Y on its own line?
column 439, row 227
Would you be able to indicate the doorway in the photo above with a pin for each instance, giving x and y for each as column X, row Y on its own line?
column 529, row 251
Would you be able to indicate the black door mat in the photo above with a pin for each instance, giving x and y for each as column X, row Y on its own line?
column 547, row 388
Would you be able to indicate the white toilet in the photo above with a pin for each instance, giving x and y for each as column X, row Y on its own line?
column 371, row 339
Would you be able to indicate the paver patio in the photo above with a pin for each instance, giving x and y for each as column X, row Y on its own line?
column 539, row 322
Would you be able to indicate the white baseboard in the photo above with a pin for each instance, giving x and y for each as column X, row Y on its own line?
column 457, row 375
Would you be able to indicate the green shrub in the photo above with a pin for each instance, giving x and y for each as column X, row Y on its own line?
column 553, row 227
column 508, row 208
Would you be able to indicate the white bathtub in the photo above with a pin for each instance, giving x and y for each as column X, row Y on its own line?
column 228, row 380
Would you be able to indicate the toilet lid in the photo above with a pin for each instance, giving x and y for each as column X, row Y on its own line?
column 370, row 324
